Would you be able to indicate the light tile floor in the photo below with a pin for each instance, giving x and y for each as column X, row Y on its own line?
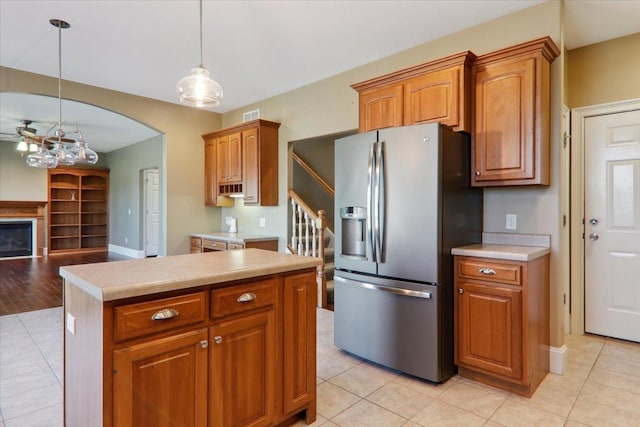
column 600, row 388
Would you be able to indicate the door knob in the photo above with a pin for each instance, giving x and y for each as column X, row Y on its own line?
column 593, row 236
column 593, row 221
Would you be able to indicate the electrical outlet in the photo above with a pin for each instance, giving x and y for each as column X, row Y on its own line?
column 126, row 240
column 263, row 223
column 71, row 323
column 511, row 222
column 227, row 220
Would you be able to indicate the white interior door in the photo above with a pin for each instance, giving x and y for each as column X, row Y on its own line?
column 151, row 212
column 612, row 225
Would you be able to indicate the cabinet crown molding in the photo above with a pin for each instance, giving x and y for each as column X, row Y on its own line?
column 241, row 127
column 543, row 45
column 462, row 58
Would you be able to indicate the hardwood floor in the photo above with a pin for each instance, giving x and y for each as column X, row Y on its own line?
column 33, row 283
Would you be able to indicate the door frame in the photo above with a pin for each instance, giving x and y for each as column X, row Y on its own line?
column 578, row 121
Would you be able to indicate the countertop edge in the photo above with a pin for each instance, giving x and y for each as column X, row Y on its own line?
column 152, row 287
column 229, row 237
column 505, row 252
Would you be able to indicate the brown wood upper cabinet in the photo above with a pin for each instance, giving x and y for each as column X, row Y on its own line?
column 510, row 142
column 242, row 159
column 435, row 91
column 229, row 158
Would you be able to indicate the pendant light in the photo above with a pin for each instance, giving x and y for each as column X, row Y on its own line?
column 64, row 156
column 60, row 153
column 198, row 89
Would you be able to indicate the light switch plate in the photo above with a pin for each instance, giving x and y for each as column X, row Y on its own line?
column 511, row 222
column 263, row 222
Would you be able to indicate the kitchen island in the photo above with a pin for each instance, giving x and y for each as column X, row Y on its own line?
column 217, row 339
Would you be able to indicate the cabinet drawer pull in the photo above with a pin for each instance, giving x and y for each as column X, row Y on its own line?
column 248, row 297
column 217, row 339
column 165, row 313
column 488, row 271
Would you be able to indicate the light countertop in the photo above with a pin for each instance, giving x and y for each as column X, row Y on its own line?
column 508, row 246
column 507, row 252
column 234, row 237
column 115, row 280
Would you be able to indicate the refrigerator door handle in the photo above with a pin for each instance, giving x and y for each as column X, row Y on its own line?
column 397, row 291
column 381, row 202
column 369, row 218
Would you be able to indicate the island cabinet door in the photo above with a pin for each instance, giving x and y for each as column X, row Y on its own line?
column 242, row 371
column 299, row 342
column 162, row 382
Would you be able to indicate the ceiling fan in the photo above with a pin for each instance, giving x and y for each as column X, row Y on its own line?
column 24, row 131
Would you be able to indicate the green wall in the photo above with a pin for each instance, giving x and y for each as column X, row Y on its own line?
column 125, row 191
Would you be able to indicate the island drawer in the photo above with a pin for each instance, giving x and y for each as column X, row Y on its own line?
column 490, row 270
column 236, row 299
column 144, row 318
column 236, row 245
column 215, row 245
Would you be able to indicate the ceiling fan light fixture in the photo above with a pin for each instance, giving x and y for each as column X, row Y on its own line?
column 22, row 145
column 198, row 89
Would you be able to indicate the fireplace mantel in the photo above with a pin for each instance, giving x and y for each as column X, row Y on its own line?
column 26, row 209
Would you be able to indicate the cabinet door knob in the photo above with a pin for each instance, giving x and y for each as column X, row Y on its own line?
column 477, row 173
column 460, row 291
column 488, row 271
column 204, row 343
column 248, row 297
column 164, row 314
column 217, row 339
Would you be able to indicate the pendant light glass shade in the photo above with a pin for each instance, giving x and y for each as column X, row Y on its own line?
column 81, row 151
column 83, row 154
column 64, row 156
column 42, row 158
column 198, row 89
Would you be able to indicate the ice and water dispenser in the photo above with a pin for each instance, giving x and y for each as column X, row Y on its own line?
column 354, row 229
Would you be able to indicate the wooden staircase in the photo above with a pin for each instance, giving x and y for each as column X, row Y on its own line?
column 310, row 237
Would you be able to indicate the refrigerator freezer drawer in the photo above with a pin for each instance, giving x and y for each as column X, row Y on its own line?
column 389, row 325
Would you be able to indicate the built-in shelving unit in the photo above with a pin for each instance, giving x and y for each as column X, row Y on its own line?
column 78, row 210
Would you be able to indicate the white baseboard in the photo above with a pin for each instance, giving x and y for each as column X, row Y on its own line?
column 558, row 359
column 133, row 253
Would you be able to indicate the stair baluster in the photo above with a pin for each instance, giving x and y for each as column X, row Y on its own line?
column 312, row 242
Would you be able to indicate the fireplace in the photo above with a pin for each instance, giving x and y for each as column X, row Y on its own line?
column 16, row 215
column 16, row 238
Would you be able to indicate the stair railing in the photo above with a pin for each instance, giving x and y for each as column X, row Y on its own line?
column 307, row 239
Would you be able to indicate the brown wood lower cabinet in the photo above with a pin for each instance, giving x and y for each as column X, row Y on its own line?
column 242, row 354
column 490, row 328
column 243, row 371
column 502, row 321
column 162, row 382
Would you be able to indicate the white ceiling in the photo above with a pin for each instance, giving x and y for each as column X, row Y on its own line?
column 255, row 49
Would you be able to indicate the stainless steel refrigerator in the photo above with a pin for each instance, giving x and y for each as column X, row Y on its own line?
column 403, row 200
